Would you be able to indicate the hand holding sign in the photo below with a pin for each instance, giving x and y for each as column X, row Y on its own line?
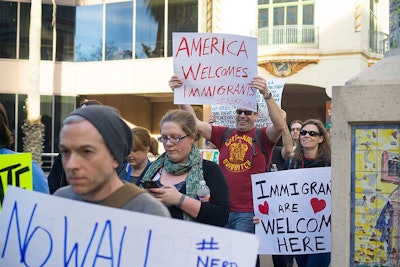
column 215, row 68
column 294, row 208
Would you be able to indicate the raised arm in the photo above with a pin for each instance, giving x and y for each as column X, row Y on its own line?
column 202, row 126
column 287, row 142
column 274, row 131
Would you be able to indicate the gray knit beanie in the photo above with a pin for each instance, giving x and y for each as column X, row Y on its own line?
column 115, row 132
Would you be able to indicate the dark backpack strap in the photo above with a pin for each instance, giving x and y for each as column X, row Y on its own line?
column 259, row 141
column 225, row 135
column 122, row 196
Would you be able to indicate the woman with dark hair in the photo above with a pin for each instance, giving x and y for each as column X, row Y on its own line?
column 180, row 170
column 313, row 149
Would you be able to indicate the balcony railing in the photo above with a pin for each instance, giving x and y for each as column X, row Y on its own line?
column 47, row 161
column 378, row 42
column 305, row 35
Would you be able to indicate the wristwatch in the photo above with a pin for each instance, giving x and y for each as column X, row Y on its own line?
column 268, row 96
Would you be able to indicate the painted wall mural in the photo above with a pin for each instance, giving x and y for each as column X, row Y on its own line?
column 375, row 195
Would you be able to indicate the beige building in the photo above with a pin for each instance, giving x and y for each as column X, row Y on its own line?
column 313, row 44
column 119, row 52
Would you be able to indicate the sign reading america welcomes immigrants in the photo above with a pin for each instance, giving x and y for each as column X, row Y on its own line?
column 216, row 69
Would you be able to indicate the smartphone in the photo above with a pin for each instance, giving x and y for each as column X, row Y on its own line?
column 149, row 184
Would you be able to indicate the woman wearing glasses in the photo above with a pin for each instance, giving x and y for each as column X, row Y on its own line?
column 313, row 149
column 179, row 170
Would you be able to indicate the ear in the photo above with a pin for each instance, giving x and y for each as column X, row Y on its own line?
column 321, row 139
column 115, row 163
column 192, row 138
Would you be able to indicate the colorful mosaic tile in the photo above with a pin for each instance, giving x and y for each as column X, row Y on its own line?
column 376, row 196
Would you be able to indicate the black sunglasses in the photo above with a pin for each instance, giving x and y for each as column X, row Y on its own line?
column 311, row 133
column 246, row 112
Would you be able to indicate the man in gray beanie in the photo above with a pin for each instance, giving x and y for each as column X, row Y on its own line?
column 93, row 142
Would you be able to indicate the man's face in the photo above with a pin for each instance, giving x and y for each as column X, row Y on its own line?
column 245, row 119
column 89, row 166
column 295, row 130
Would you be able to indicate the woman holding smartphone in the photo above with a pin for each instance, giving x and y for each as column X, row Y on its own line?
column 180, row 169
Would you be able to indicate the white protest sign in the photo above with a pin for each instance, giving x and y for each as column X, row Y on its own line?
column 215, row 69
column 42, row 230
column 225, row 115
column 295, row 211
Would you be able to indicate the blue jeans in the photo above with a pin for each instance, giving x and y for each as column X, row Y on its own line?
column 242, row 221
column 313, row 260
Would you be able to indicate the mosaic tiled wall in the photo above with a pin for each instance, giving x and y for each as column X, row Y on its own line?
column 375, row 239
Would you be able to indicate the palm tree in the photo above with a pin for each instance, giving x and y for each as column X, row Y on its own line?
column 33, row 128
column 180, row 18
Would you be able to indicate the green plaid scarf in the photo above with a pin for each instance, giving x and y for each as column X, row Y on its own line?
column 194, row 166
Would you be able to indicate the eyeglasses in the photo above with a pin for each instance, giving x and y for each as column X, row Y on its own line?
column 310, row 133
column 246, row 112
column 173, row 140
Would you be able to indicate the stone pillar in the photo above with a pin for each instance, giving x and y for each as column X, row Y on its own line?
column 365, row 189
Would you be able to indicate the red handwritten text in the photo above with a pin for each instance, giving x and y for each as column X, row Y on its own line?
column 239, row 89
column 209, row 46
column 207, row 72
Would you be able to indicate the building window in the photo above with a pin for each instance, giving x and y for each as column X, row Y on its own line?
column 150, row 25
column 102, row 30
column 25, row 18
column 182, row 17
column 63, row 105
column 8, row 29
column 54, row 109
column 149, row 29
column 89, row 33
column 378, row 41
column 65, row 33
column 47, row 33
column 119, row 17
column 286, row 21
column 263, row 17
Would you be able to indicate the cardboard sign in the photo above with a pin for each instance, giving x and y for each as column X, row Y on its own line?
column 215, row 69
column 295, row 211
column 225, row 115
column 16, row 170
column 42, row 230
